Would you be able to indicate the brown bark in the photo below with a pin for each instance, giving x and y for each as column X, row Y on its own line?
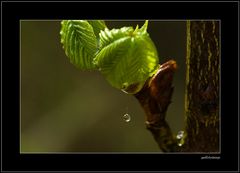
column 202, row 92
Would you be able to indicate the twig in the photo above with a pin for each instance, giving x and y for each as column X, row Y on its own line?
column 155, row 98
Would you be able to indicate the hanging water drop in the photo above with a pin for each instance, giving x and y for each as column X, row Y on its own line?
column 127, row 117
column 180, row 134
column 179, row 144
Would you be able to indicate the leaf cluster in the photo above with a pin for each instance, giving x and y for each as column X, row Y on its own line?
column 125, row 56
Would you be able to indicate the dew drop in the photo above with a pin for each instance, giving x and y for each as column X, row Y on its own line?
column 180, row 134
column 127, row 117
column 124, row 91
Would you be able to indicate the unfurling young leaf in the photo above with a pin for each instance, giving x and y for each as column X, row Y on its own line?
column 126, row 57
column 79, row 39
column 97, row 25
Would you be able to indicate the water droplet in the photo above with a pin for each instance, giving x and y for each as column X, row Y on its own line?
column 179, row 144
column 127, row 117
column 124, row 91
column 180, row 134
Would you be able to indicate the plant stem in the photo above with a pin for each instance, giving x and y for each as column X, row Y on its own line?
column 155, row 98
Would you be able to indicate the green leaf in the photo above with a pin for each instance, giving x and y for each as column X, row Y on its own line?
column 97, row 25
column 127, row 57
column 79, row 42
column 107, row 37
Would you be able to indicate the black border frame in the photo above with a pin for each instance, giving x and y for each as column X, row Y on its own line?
column 12, row 12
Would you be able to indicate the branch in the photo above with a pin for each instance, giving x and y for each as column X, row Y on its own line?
column 202, row 91
column 155, row 98
column 202, row 94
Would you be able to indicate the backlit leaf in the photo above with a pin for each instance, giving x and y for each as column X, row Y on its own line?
column 126, row 56
column 79, row 42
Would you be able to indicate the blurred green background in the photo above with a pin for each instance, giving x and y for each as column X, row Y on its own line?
column 64, row 109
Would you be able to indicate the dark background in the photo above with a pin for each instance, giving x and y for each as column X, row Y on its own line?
column 64, row 109
column 14, row 12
